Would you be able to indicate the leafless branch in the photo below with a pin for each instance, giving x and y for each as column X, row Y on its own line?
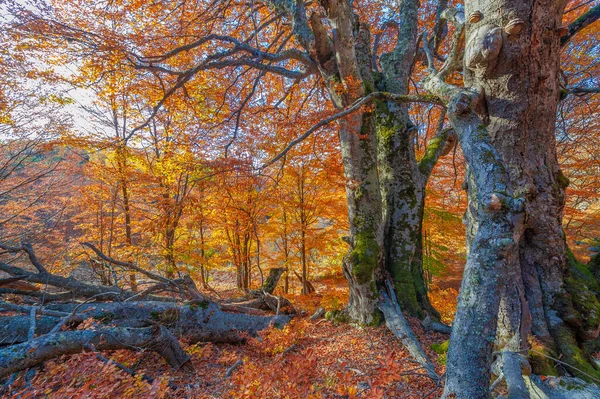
column 378, row 95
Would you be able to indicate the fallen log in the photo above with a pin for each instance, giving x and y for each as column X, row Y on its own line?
column 15, row 283
column 42, row 295
column 263, row 298
column 29, row 354
column 133, row 320
column 13, row 330
column 195, row 321
column 77, row 288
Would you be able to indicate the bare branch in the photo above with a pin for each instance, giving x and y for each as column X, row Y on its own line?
column 578, row 90
column 30, row 253
column 429, row 54
column 378, row 95
column 126, row 265
column 580, row 23
column 295, row 10
column 455, row 56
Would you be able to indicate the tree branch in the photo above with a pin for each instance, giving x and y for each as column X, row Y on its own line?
column 126, row 265
column 455, row 56
column 443, row 141
column 30, row 253
column 378, row 95
column 580, row 23
column 578, row 90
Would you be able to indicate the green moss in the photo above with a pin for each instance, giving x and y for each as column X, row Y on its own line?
column 594, row 266
column 368, row 86
column 562, row 180
column 441, row 348
column 573, row 355
column 585, row 302
column 199, row 305
column 337, row 316
column 539, row 359
column 377, row 319
column 385, row 133
column 365, row 255
column 442, row 359
column 583, row 288
column 563, row 94
column 407, row 294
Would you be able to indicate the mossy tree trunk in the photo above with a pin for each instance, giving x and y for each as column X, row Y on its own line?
column 402, row 178
column 385, row 184
column 549, row 299
column 533, row 298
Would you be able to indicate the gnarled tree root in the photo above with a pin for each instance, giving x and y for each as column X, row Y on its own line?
column 396, row 322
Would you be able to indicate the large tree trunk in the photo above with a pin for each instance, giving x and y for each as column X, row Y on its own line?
column 402, row 180
column 29, row 354
column 524, row 134
column 527, row 290
column 384, row 183
column 346, row 61
column 364, row 213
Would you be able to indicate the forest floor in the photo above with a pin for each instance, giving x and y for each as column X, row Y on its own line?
column 306, row 359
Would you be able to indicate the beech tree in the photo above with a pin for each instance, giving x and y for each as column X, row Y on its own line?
column 498, row 78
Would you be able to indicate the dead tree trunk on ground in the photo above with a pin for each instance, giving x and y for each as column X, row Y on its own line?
column 126, row 323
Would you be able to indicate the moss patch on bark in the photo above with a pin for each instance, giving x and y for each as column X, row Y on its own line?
column 365, row 255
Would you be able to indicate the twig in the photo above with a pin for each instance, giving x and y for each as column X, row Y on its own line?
column 8, row 383
column 437, row 386
column 232, row 368
column 126, row 264
column 496, row 381
column 120, row 366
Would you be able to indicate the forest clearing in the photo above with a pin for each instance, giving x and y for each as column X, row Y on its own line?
column 300, row 199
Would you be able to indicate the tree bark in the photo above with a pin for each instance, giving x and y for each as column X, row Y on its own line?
column 200, row 320
column 29, row 354
column 511, row 67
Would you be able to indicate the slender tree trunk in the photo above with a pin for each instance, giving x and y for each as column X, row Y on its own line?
column 303, row 259
column 284, row 242
column 203, row 260
column 122, row 165
column 171, row 268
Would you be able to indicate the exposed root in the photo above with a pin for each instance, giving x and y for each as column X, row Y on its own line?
column 395, row 321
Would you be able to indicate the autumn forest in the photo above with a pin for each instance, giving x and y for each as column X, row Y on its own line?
column 300, row 199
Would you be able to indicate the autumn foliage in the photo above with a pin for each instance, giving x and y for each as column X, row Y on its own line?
column 165, row 168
